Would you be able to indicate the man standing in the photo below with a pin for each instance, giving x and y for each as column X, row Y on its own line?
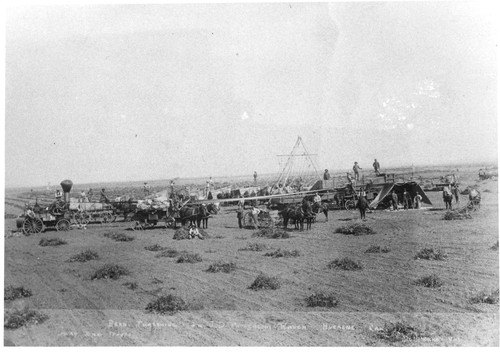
column 104, row 198
column 394, row 200
column 255, row 214
column 356, row 169
column 456, row 192
column 406, row 200
column 376, row 166
column 255, row 177
column 362, row 205
column 417, row 201
column 239, row 214
column 326, row 175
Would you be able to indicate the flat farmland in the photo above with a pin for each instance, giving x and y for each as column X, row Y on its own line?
column 222, row 310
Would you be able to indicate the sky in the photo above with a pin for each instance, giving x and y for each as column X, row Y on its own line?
column 101, row 93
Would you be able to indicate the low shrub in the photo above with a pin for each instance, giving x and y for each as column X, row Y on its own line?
column 377, row 249
column 431, row 281
column 186, row 257
column 84, row 256
column 44, row 242
column 19, row 318
column 345, row 264
column 283, row 253
column 271, row 233
column 221, row 266
column 119, row 237
column 322, row 300
column 154, row 248
column 109, row 271
column 355, row 229
column 167, row 305
column 484, row 297
column 183, row 233
column 131, row 285
column 156, row 281
column 431, row 254
column 265, row 282
column 168, row 252
column 255, row 247
column 11, row 293
column 399, row 332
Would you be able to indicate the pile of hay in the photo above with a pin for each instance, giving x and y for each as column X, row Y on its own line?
column 345, row 264
column 283, row 253
column 355, row 229
column 221, row 266
column 11, row 293
column 168, row 252
column 484, row 297
column 109, row 271
column 377, row 249
column 119, row 237
column 154, row 248
column 131, row 285
column 271, row 233
column 167, row 305
column 494, row 247
column 19, row 318
column 399, row 332
column 431, row 281
column 184, row 233
column 265, row 282
column 186, row 257
column 84, row 256
column 457, row 215
column 322, row 300
column 255, row 247
column 51, row 242
column 431, row 254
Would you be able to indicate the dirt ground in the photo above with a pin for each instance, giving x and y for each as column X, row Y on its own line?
column 224, row 311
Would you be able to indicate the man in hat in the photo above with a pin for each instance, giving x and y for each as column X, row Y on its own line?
column 326, row 175
column 356, row 169
column 376, row 166
column 394, row 197
column 104, row 198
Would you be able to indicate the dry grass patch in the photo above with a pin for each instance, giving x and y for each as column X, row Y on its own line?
column 431, row 254
column 167, row 305
column 168, row 252
column 84, row 256
column 484, row 297
column 271, row 233
column 221, row 266
column 399, row 332
column 377, row 249
column 186, row 257
column 355, row 229
column 109, row 271
column 44, row 242
column 11, row 293
column 322, row 300
column 283, row 253
column 255, row 247
column 265, row 282
column 18, row 318
column 431, row 281
column 119, row 237
column 345, row 264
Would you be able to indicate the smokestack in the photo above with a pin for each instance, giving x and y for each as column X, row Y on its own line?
column 66, row 186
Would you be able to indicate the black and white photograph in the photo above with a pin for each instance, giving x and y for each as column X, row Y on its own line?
column 266, row 174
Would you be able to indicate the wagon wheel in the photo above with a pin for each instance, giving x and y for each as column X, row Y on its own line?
column 248, row 220
column 82, row 218
column 106, row 217
column 266, row 221
column 32, row 225
column 169, row 222
column 63, row 225
column 350, row 204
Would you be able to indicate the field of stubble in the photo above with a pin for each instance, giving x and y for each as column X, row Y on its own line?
column 222, row 310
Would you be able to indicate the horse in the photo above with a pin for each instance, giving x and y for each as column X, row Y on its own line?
column 447, row 198
column 362, row 205
column 195, row 215
column 294, row 213
column 213, row 208
column 320, row 207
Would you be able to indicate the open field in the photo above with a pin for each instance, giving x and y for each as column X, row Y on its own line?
column 222, row 310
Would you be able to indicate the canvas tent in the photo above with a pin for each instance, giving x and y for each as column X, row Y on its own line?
column 412, row 187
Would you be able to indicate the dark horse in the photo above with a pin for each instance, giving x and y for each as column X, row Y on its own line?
column 195, row 215
column 294, row 213
column 447, row 198
column 320, row 207
column 362, row 205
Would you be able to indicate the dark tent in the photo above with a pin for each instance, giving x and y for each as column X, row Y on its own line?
column 412, row 187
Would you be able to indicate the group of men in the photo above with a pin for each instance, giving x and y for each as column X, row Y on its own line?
column 408, row 202
column 355, row 169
